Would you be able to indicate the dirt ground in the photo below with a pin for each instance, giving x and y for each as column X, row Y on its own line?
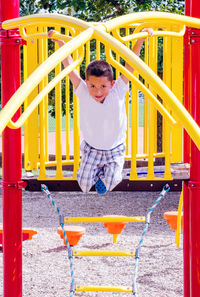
column 46, row 270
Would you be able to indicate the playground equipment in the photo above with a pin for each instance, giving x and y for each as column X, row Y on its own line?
column 113, row 221
column 115, row 228
column 27, row 234
column 171, row 218
column 175, row 220
column 175, row 116
column 74, row 234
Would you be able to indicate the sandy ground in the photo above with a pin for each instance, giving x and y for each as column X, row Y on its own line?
column 45, row 263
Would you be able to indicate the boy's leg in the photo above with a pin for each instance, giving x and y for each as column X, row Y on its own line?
column 114, row 166
column 88, row 169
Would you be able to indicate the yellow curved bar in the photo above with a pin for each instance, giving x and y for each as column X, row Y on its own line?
column 49, row 19
column 145, row 34
column 162, row 90
column 44, row 92
column 153, row 17
column 45, row 35
column 32, row 81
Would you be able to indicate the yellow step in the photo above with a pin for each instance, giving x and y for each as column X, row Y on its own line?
column 105, row 219
column 121, row 289
column 104, row 253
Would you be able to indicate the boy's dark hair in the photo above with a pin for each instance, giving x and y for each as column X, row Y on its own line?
column 99, row 68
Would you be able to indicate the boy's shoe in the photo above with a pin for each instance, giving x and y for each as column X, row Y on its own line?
column 100, row 187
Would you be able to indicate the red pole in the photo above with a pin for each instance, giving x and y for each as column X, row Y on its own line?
column 192, row 190
column 11, row 157
column 186, row 159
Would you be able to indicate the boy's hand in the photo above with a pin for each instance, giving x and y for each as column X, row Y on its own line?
column 51, row 33
column 148, row 30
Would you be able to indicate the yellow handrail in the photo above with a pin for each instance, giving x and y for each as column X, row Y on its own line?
column 47, row 18
column 139, row 35
column 151, row 17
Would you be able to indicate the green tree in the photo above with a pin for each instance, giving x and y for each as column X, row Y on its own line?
column 28, row 7
column 99, row 10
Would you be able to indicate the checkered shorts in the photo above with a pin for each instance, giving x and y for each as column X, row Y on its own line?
column 104, row 164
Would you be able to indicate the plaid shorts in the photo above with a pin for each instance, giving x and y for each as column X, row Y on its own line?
column 104, row 164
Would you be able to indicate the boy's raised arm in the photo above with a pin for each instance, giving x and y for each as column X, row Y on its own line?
column 136, row 49
column 73, row 76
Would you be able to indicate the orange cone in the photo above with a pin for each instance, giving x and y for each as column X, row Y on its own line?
column 171, row 218
column 74, row 234
column 115, row 228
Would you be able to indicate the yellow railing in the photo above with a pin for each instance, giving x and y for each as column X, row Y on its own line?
column 86, row 41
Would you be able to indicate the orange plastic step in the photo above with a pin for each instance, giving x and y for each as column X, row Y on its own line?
column 115, row 228
column 74, row 234
column 171, row 218
column 27, row 234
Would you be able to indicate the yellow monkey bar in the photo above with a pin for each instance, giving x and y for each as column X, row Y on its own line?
column 87, row 41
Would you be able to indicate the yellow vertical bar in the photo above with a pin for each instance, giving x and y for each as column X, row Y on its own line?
column 118, row 60
column 146, row 101
column 178, row 228
column 127, row 106
column 134, row 132
column 42, row 173
column 67, row 112
column 67, row 102
column 76, row 130
column 98, row 54
column 150, row 174
column 87, row 53
column 166, row 140
column 58, row 120
column 155, row 68
column 128, row 117
column 45, row 56
column 177, row 89
column 31, row 129
column 151, row 139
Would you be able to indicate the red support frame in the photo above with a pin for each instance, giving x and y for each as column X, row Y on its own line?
column 191, row 195
column 11, row 157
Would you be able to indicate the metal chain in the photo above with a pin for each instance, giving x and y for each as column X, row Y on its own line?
column 45, row 189
column 164, row 191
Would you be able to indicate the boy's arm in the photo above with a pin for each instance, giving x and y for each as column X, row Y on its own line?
column 73, row 75
column 136, row 49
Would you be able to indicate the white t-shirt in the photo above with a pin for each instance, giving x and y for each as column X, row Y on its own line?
column 103, row 124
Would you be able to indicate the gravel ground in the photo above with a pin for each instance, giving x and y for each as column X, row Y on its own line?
column 45, row 263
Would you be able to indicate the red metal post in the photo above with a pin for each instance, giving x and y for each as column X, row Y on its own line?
column 191, row 196
column 11, row 157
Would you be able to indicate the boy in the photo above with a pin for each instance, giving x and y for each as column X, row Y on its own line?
column 103, row 122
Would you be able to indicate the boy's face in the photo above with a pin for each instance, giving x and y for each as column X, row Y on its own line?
column 99, row 87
